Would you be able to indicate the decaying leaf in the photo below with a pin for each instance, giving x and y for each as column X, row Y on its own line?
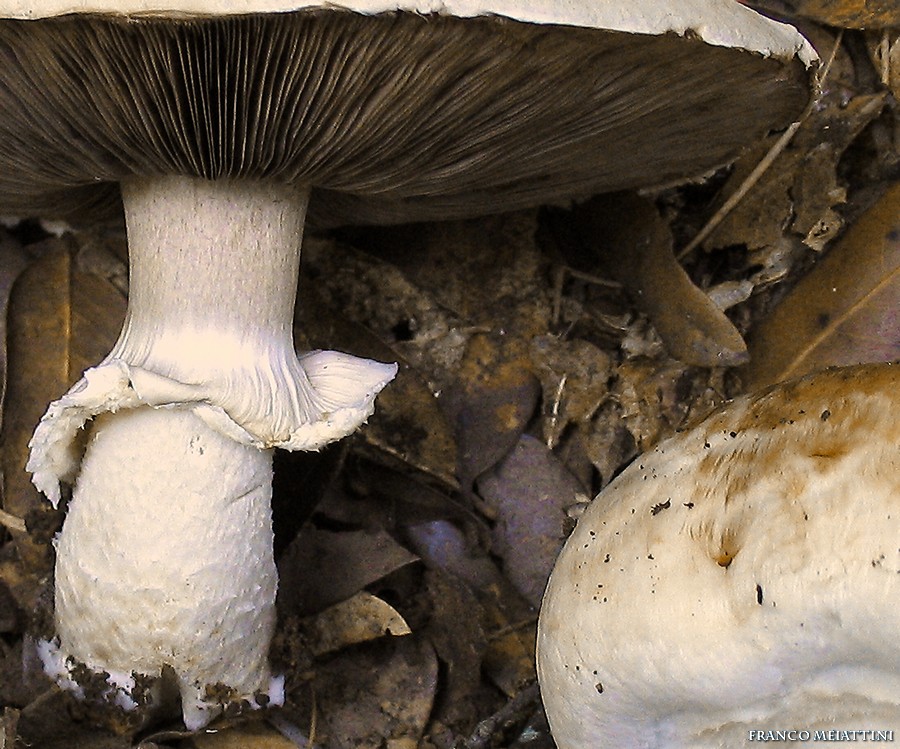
column 636, row 247
column 48, row 722
column 656, row 398
column 609, row 444
column 506, row 619
column 845, row 311
column 375, row 294
column 324, row 567
column 254, row 735
column 408, row 424
column 798, row 194
column 509, row 658
column 455, row 629
column 529, row 491
column 61, row 321
column 495, row 396
column 360, row 618
column 13, row 260
column 444, row 546
column 370, row 697
column 884, row 50
column 410, row 427
column 487, row 271
column 574, row 379
column 854, row 14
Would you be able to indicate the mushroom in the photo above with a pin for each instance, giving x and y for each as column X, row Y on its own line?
column 214, row 124
column 741, row 577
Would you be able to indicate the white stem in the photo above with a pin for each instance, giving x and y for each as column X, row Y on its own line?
column 211, row 306
column 165, row 560
column 213, row 279
column 164, row 563
column 209, row 323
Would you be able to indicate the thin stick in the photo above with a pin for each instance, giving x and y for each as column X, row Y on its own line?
column 767, row 160
column 554, row 413
column 12, row 522
column 517, row 709
column 884, row 53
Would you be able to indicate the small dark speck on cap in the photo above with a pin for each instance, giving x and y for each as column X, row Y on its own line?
column 656, row 509
column 825, row 415
column 759, row 594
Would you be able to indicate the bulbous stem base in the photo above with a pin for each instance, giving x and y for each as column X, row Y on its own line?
column 165, row 565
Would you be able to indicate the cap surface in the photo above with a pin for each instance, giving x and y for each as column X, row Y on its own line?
column 742, row 575
column 433, row 110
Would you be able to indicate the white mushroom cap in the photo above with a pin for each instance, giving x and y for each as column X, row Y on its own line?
column 743, row 575
column 719, row 22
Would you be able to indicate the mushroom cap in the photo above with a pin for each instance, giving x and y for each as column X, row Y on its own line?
column 742, row 575
column 394, row 111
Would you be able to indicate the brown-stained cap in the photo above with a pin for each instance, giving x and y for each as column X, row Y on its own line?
column 392, row 116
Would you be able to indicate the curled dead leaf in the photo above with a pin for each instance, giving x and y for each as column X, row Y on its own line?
column 61, row 321
column 360, row 618
column 853, row 14
column 637, row 249
column 323, row 567
column 845, row 311
column 530, row 491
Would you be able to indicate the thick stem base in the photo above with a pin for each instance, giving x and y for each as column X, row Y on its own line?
column 165, row 564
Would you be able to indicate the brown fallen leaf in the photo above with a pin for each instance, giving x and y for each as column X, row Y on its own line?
column 377, row 695
column 637, row 249
column 507, row 619
column 61, row 321
column 801, row 189
column 324, row 567
column 52, row 722
column 454, row 628
column 530, row 491
column 360, row 618
column 853, row 14
column 13, row 260
column 408, row 425
column 495, row 396
column 845, row 311
column 486, row 270
column 255, row 735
